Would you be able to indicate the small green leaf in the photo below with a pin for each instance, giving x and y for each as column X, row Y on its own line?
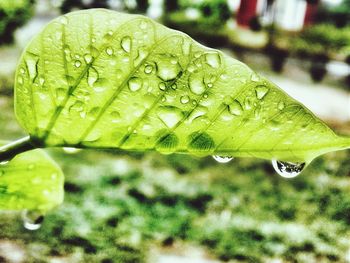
column 98, row 78
column 32, row 180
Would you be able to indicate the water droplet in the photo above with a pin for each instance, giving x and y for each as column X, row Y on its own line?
column 168, row 68
column 196, row 113
column 213, row 59
column 88, row 58
column 67, row 53
column 32, row 220
column 222, row 159
column 22, row 71
column 77, row 106
column 92, row 76
column 261, row 91
column 135, row 84
column 235, row 108
column 63, row 20
column 184, row 99
column 281, row 105
column 162, row 86
column 71, row 150
column 247, row 103
column 196, row 84
column 115, row 116
column 141, row 55
column 255, row 77
column 126, row 44
column 20, row 80
column 174, row 86
column 148, row 69
column 287, row 169
column 170, row 115
column 77, row 63
column 41, row 81
column 109, row 51
column 32, row 63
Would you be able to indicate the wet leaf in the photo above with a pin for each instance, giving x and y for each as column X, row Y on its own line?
column 98, row 78
column 32, row 181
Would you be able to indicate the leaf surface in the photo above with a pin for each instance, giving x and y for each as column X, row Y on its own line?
column 98, row 78
column 33, row 181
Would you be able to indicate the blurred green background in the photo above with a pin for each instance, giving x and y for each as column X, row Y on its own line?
column 146, row 207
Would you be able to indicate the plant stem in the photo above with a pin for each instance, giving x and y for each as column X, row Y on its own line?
column 8, row 151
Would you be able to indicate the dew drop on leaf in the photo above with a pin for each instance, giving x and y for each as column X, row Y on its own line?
column 20, row 80
column 222, row 159
column 41, row 81
column 134, row 84
column 168, row 68
column 32, row 62
column 109, row 51
column 77, row 106
column 148, row 69
column 255, row 77
column 126, row 44
column 184, row 99
column 88, row 58
column 197, row 113
column 170, row 116
column 115, row 116
column 281, row 105
column 261, row 91
column 32, row 220
column 92, row 76
column 162, row 86
column 60, row 95
column 213, row 59
column 196, row 84
column 235, row 108
column 77, row 63
column 287, row 169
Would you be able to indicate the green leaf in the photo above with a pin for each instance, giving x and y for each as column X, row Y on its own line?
column 98, row 78
column 32, row 180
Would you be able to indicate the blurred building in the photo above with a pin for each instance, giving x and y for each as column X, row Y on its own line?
column 291, row 15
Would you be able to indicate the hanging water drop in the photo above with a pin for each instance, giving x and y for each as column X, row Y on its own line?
column 126, row 44
column 32, row 220
column 222, row 159
column 287, row 169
